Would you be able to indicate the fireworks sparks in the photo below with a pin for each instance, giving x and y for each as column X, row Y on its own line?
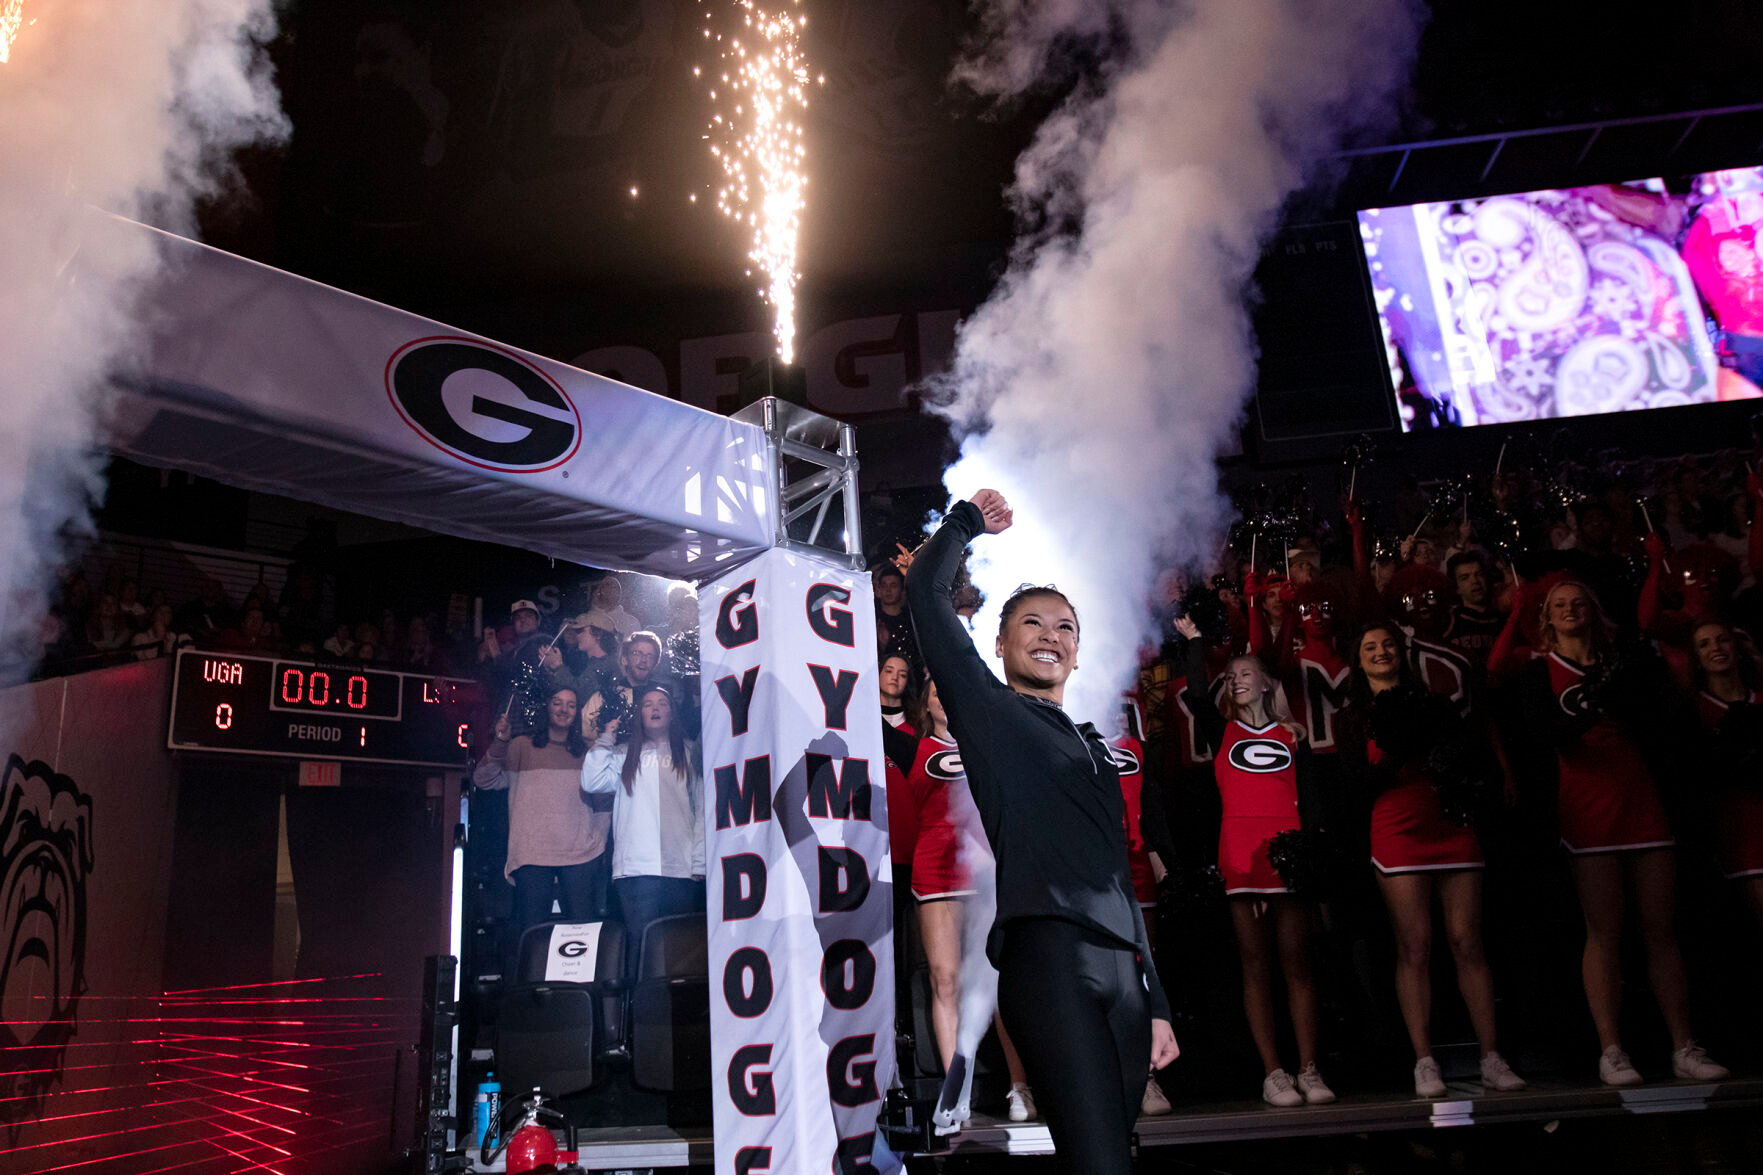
column 760, row 91
column 11, row 20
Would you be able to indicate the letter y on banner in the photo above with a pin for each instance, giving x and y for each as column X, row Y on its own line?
column 801, row 936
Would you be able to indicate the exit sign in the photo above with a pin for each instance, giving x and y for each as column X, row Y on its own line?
column 326, row 773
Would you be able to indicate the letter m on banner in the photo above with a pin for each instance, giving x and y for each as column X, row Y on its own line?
column 800, row 902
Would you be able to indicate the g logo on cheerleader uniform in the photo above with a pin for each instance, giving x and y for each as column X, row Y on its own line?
column 945, row 765
column 1125, row 760
column 1263, row 756
column 1573, row 700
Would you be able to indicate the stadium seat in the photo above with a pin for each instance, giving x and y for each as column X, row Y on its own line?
column 560, row 1036
column 669, row 1007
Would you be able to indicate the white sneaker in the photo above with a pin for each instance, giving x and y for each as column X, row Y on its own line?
column 1692, row 1064
column 1277, row 1090
column 1427, row 1082
column 1021, row 1100
column 1155, row 1101
column 1614, row 1068
column 1313, row 1087
column 1497, row 1075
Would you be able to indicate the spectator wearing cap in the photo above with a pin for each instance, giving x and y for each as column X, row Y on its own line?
column 585, row 659
column 507, row 670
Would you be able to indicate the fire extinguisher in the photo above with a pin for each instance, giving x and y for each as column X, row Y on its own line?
column 531, row 1149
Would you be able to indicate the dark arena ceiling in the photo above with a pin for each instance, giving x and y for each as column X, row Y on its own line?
column 475, row 162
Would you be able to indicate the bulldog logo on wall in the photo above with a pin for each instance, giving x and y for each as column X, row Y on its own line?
column 45, row 858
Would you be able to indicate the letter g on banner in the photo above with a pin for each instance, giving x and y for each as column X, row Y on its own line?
column 540, row 427
column 737, row 619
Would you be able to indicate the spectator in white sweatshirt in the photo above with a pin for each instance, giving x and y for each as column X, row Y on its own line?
column 657, row 815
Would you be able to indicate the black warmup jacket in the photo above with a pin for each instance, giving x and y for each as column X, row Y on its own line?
column 1046, row 788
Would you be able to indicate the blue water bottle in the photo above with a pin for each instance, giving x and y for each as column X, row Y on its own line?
column 486, row 1114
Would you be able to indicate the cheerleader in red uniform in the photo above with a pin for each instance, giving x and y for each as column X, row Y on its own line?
column 1396, row 736
column 1729, row 702
column 899, row 746
column 1593, row 698
column 943, row 813
column 1258, row 753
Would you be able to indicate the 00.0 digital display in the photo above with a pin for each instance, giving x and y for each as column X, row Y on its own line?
column 362, row 693
column 240, row 704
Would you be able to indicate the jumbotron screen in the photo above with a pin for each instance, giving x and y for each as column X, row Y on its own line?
column 1572, row 301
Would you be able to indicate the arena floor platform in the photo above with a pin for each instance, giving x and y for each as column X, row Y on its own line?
column 637, row 1148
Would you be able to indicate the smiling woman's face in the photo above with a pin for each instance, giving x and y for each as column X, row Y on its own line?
column 1038, row 644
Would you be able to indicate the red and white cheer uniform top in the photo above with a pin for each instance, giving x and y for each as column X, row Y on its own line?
column 1257, row 773
column 945, row 809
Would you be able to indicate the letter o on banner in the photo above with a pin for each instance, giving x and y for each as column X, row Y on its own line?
column 741, row 963
column 853, row 955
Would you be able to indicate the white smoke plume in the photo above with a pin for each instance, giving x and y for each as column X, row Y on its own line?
column 1099, row 382
column 106, row 106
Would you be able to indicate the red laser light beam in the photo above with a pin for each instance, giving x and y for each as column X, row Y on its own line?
column 237, row 1056
column 275, row 983
column 216, row 1143
column 190, row 1142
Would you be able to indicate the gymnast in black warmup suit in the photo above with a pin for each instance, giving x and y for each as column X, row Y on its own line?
column 1076, row 985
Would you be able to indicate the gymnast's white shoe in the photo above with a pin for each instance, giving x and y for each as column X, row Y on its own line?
column 1313, row 1087
column 1277, row 1090
column 1691, row 1063
column 1497, row 1075
column 1614, row 1068
column 1021, row 1103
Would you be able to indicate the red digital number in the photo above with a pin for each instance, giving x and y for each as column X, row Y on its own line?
column 357, row 693
column 223, row 717
column 293, row 686
column 319, row 689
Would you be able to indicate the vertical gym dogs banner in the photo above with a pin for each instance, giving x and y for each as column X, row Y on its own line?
column 801, row 957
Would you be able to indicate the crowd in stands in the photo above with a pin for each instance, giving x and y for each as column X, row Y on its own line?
column 1365, row 735
column 595, row 742
column 89, row 627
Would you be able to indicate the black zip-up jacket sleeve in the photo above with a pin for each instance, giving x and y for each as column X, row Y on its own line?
column 1047, row 790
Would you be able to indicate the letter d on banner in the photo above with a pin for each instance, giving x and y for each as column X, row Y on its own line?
column 802, row 986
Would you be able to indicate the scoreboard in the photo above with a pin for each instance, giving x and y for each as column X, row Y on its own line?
column 240, row 704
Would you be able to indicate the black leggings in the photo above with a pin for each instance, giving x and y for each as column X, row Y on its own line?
column 1076, row 1007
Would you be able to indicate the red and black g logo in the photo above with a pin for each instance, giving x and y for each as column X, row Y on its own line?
column 482, row 404
column 1262, row 756
column 944, row 765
